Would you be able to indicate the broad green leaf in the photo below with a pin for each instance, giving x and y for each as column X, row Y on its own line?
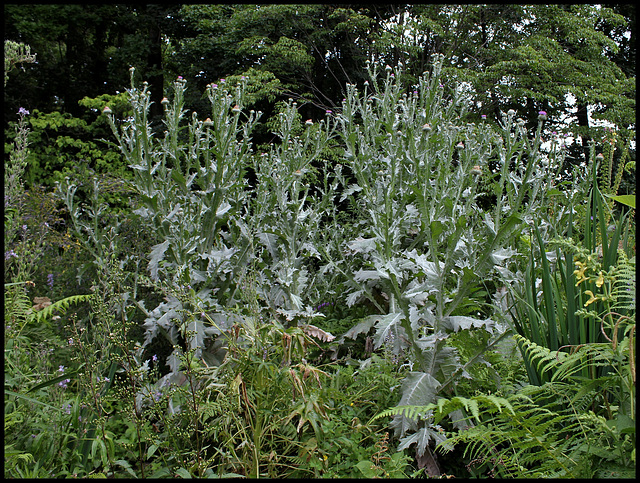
column 418, row 389
column 157, row 254
column 629, row 200
column 458, row 322
column 361, row 328
column 389, row 330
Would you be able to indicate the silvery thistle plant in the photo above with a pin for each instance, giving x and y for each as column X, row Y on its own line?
column 286, row 215
column 424, row 242
column 193, row 191
column 222, row 244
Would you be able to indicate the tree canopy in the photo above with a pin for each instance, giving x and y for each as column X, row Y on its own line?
column 575, row 62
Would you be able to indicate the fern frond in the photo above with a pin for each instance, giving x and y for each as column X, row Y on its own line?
column 17, row 306
column 544, row 356
column 587, row 355
column 485, row 403
column 623, row 291
column 540, row 437
column 410, row 412
column 61, row 305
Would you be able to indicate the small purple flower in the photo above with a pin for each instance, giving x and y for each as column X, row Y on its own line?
column 63, row 384
column 154, row 358
column 483, row 116
column 50, row 280
column 329, row 111
column 322, row 305
column 23, row 112
column 61, row 369
column 10, row 254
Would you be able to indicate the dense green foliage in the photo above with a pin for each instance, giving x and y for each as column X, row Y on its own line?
column 573, row 61
column 322, row 241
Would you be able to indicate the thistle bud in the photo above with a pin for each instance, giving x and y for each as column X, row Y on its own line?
column 426, row 127
column 165, row 101
column 106, row 110
column 460, row 145
column 542, row 116
column 235, row 109
column 476, row 170
column 207, row 122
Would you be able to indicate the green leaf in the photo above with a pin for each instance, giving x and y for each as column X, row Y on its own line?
column 629, row 200
column 31, row 400
column 625, row 425
column 157, row 254
column 367, row 469
column 55, row 380
column 183, row 473
column 388, row 329
column 436, row 229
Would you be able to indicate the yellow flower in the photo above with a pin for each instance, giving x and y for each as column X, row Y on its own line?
column 592, row 298
column 579, row 272
column 600, row 280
